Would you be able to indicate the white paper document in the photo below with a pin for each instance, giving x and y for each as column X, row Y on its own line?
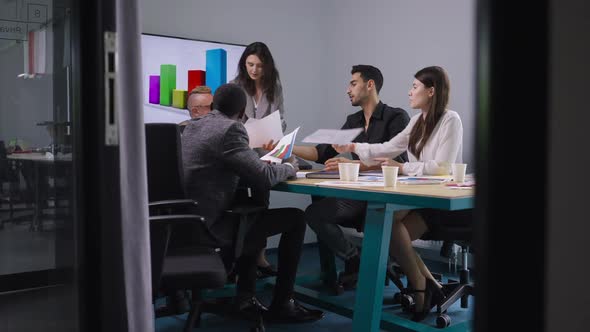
column 333, row 136
column 261, row 131
column 351, row 183
column 283, row 149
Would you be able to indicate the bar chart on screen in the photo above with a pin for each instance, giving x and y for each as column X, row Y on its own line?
column 173, row 66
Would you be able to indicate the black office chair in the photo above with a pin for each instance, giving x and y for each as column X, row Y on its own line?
column 454, row 290
column 186, row 257
column 176, row 266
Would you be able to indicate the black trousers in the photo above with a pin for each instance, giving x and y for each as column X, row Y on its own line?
column 325, row 214
column 288, row 222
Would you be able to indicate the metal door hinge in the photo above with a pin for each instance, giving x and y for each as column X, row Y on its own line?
column 110, row 78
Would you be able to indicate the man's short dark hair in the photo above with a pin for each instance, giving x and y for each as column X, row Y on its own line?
column 369, row 73
column 229, row 99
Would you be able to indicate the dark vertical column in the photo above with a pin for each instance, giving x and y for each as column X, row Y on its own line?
column 103, row 305
column 511, row 164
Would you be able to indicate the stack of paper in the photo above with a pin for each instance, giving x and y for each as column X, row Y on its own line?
column 333, row 136
column 261, row 131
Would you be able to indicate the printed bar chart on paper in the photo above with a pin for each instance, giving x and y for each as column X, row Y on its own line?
column 283, row 149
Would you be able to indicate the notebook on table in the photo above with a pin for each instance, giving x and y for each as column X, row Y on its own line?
column 336, row 175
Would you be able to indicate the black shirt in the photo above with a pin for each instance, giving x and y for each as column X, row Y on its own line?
column 386, row 122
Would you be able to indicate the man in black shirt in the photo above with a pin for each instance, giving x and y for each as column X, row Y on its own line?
column 380, row 123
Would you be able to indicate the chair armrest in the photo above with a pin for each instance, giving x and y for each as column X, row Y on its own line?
column 170, row 203
column 176, row 219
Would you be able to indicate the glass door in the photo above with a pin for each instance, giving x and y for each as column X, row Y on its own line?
column 74, row 242
column 38, row 222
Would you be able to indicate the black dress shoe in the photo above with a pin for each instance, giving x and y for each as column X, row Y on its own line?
column 266, row 271
column 248, row 309
column 334, row 287
column 178, row 303
column 349, row 277
column 348, row 280
column 292, row 312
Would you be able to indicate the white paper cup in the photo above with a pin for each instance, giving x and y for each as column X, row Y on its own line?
column 343, row 171
column 390, row 175
column 459, row 172
column 353, row 171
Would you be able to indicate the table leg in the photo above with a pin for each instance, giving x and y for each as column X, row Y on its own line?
column 35, row 226
column 369, row 292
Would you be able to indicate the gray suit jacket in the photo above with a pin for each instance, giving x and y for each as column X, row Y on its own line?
column 216, row 155
column 265, row 107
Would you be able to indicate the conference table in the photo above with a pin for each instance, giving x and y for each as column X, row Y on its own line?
column 367, row 313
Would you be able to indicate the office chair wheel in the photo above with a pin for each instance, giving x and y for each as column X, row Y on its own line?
column 442, row 321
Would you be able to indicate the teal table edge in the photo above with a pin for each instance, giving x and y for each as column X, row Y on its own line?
column 367, row 313
column 458, row 203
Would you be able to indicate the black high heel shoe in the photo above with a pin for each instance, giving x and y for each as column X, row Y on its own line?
column 429, row 296
column 438, row 295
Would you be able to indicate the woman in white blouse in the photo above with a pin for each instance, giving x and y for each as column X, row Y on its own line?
column 433, row 139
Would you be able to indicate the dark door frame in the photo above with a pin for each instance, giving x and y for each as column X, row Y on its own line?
column 511, row 146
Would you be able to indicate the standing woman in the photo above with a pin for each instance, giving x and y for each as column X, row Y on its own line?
column 259, row 77
column 433, row 139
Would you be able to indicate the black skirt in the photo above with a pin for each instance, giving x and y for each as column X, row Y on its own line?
column 443, row 219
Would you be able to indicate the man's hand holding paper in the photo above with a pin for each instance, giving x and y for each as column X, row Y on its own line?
column 333, row 136
column 283, row 148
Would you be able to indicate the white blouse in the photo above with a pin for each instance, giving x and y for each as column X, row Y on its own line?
column 444, row 147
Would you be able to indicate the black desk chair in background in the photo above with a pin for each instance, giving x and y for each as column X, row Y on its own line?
column 11, row 194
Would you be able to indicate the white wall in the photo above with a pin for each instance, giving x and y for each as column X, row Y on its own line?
column 400, row 38
column 315, row 43
column 24, row 102
column 291, row 29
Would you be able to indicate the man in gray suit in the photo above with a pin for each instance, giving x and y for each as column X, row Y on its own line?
column 216, row 156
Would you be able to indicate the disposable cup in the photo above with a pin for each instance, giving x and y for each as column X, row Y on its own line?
column 459, row 172
column 353, row 171
column 390, row 175
column 343, row 171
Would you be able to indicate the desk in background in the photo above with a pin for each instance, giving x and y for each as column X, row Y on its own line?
column 382, row 203
column 36, row 162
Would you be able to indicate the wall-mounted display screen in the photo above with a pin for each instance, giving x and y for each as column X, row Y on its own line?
column 172, row 67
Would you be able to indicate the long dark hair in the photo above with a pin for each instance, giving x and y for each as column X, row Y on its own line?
column 270, row 74
column 431, row 77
